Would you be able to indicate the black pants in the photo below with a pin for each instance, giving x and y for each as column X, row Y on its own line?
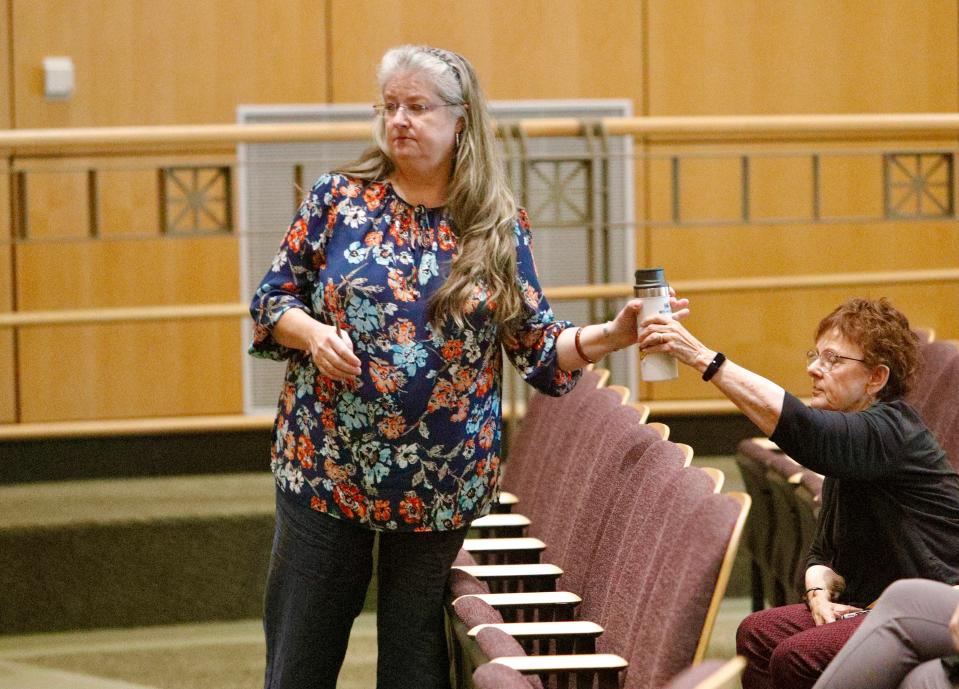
column 320, row 568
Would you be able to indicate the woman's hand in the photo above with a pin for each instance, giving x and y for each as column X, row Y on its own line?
column 825, row 611
column 332, row 353
column 661, row 334
column 621, row 332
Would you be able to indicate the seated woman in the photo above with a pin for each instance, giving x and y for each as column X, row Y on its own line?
column 908, row 641
column 890, row 501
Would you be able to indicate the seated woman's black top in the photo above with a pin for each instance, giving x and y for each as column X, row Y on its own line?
column 890, row 500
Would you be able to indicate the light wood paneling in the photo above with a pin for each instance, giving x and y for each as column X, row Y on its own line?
column 7, row 368
column 118, row 371
column 129, row 202
column 170, row 62
column 693, row 253
column 130, row 370
column 117, row 272
column 727, row 57
column 768, row 333
column 531, row 49
column 6, row 100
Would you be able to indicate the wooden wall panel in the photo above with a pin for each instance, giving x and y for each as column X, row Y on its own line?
column 726, row 57
column 118, row 272
column 530, row 49
column 168, row 368
column 759, row 250
column 170, row 62
column 6, row 100
column 7, row 367
column 132, row 370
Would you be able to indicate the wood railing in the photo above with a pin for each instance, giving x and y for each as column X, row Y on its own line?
column 554, row 294
column 57, row 142
column 63, row 144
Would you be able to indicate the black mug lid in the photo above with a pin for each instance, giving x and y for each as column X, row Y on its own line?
column 650, row 277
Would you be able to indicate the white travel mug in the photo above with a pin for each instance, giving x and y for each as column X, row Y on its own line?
column 652, row 288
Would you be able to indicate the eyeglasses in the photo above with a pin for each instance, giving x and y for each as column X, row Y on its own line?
column 827, row 359
column 414, row 110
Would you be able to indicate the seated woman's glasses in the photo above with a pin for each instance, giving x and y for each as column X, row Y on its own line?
column 827, row 359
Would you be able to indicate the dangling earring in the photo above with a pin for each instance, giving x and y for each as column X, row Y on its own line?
column 457, row 140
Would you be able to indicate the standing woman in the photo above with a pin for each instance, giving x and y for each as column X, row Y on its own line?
column 399, row 283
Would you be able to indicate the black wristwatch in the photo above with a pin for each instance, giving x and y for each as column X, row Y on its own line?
column 714, row 365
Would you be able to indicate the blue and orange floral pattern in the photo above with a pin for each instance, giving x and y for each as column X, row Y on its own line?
column 414, row 443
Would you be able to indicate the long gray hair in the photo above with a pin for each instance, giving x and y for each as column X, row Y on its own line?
column 479, row 202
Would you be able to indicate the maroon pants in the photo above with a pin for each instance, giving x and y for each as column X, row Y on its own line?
column 785, row 649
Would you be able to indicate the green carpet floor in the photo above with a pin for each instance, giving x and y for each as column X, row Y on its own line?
column 142, row 523
column 220, row 655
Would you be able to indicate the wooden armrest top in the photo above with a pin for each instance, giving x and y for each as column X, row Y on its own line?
column 507, row 498
column 493, row 521
column 542, row 629
column 478, row 545
column 530, row 599
column 559, row 663
column 510, row 571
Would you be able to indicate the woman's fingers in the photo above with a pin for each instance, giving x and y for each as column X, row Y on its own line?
column 334, row 357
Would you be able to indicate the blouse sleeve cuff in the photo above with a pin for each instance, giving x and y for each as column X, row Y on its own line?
column 543, row 371
column 265, row 318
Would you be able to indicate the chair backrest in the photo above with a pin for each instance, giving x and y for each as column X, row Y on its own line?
column 640, row 491
column 534, row 433
column 556, row 483
column 761, row 525
column 940, row 409
column 788, row 548
column 676, row 626
column 644, row 570
column 934, row 358
column 575, row 534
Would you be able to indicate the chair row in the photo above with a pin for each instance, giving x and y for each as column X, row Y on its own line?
column 614, row 570
column 786, row 496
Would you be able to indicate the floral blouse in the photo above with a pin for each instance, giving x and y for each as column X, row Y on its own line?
column 413, row 444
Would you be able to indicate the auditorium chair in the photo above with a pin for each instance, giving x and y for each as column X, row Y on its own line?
column 588, row 571
column 654, row 636
column 573, row 496
column 788, row 549
column 590, row 565
column 760, row 527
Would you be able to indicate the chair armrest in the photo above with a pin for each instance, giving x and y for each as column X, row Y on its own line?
column 493, row 572
column 539, row 606
column 544, row 630
column 531, row 599
column 515, row 577
column 507, row 498
column 502, row 545
column 500, row 521
column 579, row 662
column 501, row 551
